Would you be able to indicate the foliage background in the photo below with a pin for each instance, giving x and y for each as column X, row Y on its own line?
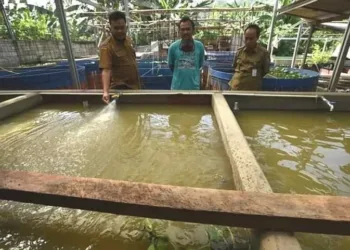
column 32, row 22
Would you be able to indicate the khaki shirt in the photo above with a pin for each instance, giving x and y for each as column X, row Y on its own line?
column 120, row 58
column 250, row 68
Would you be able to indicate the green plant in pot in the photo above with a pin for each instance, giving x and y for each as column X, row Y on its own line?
column 319, row 58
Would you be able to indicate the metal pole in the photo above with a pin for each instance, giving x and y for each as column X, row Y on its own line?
column 126, row 8
column 273, row 23
column 339, row 63
column 325, row 45
column 296, row 48
column 7, row 22
column 67, row 43
column 100, row 40
column 308, row 43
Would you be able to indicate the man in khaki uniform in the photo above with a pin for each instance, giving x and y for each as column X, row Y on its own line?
column 118, row 58
column 251, row 63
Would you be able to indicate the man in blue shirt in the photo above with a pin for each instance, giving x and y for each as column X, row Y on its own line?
column 185, row 58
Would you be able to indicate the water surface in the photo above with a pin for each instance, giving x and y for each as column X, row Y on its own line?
column 303, row 153
column 176, row 145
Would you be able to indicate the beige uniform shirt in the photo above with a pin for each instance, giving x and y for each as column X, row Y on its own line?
column 250, row 68
column 121, row 59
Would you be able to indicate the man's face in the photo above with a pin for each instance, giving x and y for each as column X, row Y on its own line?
column 186, row 30
column 250, row 38
column 118, row 29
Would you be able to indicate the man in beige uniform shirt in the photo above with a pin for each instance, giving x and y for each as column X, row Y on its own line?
column 251, row 63
column 118, row 58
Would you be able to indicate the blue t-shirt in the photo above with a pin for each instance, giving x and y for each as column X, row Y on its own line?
column 186, row 65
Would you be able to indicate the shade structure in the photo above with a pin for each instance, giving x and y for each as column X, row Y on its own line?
column 318, row 10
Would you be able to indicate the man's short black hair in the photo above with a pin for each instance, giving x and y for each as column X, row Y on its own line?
column 187, row 19
column 116, row 15
column 255, row 27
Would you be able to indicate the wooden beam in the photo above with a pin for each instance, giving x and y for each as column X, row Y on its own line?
column 184, row 10
column 161, row 11
column 247, row 173
column 304, row 213
column 19, row 104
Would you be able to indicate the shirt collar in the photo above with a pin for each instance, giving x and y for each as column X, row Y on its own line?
column 254, row 50
column 116, row 42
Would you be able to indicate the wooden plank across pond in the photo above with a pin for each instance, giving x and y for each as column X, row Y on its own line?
column 19, row 104
column 247, row 173
column 284, row 212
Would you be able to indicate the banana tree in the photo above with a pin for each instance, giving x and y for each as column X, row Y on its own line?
column 41, row 22
column 30, row 23
column 263, row 18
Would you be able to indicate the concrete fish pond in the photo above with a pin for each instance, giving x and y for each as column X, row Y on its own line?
column 178, row 162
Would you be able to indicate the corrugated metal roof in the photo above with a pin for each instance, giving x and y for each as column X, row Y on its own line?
column 318, row 10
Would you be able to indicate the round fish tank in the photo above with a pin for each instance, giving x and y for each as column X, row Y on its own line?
column 279, row 79
column 220, row 56
column 35, row 78
column 153, row 74
column 156, row 78
column 154, row 64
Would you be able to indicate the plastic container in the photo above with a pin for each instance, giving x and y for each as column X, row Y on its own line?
column 58, row 77
column 220, row 77
column 303, row 84
column 156, row 78
column 147, row 65
column 220, row 56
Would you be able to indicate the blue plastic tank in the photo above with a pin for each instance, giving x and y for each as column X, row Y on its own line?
column 220, row 78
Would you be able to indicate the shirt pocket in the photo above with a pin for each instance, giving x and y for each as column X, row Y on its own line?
column 258, row 63
column 120, row 53
column 246, row 65
column 254, row 63
column 122, row 58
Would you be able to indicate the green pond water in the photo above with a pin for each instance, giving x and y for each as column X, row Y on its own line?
column 303, row 153
column 176, row 145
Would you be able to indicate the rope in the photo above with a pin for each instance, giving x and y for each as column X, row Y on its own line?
column 153, row 68
column 9, row 71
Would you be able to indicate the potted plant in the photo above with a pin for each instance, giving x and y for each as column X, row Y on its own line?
column 319, row 59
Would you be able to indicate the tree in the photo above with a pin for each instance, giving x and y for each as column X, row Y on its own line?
column 31, row 22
